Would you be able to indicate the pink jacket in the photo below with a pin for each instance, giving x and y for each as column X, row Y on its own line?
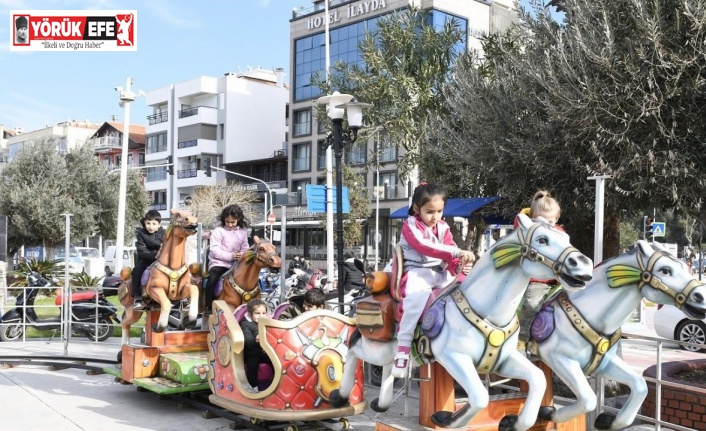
column 421, row 247
column 224, row 243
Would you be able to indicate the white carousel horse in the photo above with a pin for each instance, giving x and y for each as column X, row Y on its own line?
column 479, row 333
column 585, row 334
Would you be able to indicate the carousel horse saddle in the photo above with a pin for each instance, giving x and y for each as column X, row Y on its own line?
column 145, row 277
column 218, row 288
column 543, row 323
column 377, row 315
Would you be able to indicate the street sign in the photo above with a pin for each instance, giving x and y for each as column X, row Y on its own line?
column 658, row 228
column 271, row 219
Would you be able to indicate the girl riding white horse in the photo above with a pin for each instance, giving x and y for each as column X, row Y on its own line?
column 479, row 333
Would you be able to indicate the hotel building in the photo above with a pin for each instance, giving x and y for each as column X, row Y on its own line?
column 348, row 23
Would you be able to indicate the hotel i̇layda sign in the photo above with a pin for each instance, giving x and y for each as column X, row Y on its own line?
column 350, row 11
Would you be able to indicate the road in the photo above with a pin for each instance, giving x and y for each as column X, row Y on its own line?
column 641, row 354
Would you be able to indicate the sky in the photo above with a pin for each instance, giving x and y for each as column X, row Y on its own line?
column 178, row 40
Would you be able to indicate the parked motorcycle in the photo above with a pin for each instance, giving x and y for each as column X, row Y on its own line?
column 89, row 316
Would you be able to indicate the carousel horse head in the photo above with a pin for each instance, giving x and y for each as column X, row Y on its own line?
column 241, row 282
column 183, row 224
column 545, row 252
column 662, row 279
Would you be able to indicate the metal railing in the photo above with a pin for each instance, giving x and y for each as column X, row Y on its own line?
column 48, row 320
column 162, row 117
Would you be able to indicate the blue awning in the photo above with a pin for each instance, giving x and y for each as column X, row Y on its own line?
column 455, row 207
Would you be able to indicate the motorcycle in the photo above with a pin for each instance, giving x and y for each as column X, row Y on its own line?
column 90, row 316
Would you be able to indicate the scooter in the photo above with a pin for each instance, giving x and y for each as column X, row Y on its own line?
column 90, row 316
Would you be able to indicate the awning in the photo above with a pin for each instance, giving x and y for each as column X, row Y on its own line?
column 455, row 207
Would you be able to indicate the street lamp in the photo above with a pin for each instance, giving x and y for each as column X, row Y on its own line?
column 336, row 106
column 126, row 97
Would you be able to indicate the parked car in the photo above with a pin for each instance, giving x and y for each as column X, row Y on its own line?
column 672, row 324
column 75, row 262
column 93, row 262
column 109, row 256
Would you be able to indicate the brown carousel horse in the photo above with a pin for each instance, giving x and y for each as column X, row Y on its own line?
column 241, row 282
column 167, row 279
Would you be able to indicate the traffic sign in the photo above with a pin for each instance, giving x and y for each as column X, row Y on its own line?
column 271, row 219
column 658, row 228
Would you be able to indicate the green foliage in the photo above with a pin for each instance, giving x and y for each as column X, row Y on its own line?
column 359, row 198
column 48, row 269
column 629, row 234
column 616, row 89
column 407, row 63
column 85, row 280
column 41, row 184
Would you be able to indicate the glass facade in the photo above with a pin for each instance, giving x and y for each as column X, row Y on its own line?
column 310, row 54
column 310, row 51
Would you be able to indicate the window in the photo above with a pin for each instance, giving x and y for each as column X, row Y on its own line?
column 310, row 54
column 302, row 122
column 321, row 159
column 158, row 173
column 387, row 151
column 389, row 181
column 301, row 156
column 299, row 189
column 356, row 154
column 157, row 143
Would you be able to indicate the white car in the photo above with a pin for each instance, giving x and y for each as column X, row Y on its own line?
column 93, row 262
column 75, row 262
column 671, row 323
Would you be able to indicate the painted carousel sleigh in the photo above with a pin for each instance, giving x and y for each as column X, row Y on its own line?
column 307, row 355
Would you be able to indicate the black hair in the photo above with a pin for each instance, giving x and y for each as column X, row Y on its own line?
column 349, row 255
column 153, row 215
column 253, row 303
column 315, row 297
column 235, row 212
column 424, row 193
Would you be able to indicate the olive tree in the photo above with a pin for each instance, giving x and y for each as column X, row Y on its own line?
column 615, row 89
column 41, row 185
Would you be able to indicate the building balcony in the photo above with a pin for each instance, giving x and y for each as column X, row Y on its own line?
column 187, row 173
column 187, row 178
column 106, row 144
column 158, row 207
column 198, row 115
column 195, row 147
column 161, row 117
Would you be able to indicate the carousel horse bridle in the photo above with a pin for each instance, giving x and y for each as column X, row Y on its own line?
column 620, row 276
column 247, row 295
column 173, row 274
column 496, row 336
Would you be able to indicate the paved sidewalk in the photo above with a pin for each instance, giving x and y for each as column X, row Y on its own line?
column 32, row 398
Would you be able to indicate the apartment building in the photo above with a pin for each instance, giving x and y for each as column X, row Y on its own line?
column 107, row 143
column 229, row 120
column 66, row 135
column 348, row 23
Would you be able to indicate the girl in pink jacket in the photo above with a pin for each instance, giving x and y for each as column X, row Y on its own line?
column 228, row 242
column 427, row 247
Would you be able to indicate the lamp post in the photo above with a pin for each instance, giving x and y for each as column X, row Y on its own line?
column 336, row 106
column 126, row 97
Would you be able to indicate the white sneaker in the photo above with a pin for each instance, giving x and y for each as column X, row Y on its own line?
column 399, row 365
column 249, row 388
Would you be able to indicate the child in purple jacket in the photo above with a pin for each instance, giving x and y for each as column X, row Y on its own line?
column 228, row 242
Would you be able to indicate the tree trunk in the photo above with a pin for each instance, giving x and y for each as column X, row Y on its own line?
column 582, row 233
